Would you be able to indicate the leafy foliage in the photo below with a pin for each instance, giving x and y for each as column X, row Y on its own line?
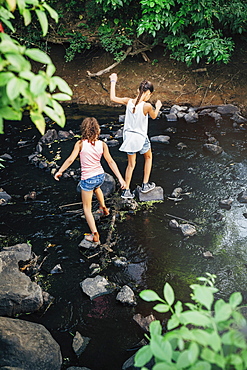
column 205, row 336
column 78, row 43
column 20, row 88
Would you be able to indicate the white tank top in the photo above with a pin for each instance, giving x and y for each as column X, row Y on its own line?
column 135, row 128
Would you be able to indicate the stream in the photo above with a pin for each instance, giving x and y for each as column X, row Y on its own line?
column 156, row 253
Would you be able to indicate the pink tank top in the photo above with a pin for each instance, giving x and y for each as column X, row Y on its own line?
column 90, row 157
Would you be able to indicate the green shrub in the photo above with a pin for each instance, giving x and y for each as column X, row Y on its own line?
column 207, row 335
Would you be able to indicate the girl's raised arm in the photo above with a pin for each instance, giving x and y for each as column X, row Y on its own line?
column 113, row 166
column 68, row 162
column 113, row 97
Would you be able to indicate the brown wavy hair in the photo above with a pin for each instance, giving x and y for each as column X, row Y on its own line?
column 90, row 129
column 144, row 86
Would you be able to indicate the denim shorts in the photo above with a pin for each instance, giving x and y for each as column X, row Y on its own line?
column 92, row 183
column 145, row 148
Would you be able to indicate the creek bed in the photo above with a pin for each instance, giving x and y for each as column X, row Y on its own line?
column 156, row 253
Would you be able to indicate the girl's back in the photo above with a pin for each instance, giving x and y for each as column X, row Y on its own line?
column 90, row 156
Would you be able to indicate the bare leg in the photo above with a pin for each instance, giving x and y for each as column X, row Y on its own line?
column 100, row 197
column 147, row 165
column 130, row 169
column 86, row 197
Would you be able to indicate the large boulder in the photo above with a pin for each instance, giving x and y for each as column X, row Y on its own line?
column 18, row 294
column 27, row 346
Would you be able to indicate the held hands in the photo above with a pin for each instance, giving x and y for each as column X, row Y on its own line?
column 158, row 104
column 113, row 77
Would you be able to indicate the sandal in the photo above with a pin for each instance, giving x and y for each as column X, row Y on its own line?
column 92, row 238
column 103, row 211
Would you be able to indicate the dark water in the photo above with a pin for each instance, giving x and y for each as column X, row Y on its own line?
column 155, row 252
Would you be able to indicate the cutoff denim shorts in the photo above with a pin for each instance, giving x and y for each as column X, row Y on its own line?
column 145, row 148
column 92, row 183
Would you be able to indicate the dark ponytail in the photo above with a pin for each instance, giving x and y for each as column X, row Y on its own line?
column 144, row 86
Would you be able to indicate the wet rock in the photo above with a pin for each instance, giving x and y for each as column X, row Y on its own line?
column 112, row 143
column 176, row 192
column 218, row 216
column 227, row 109
column 97, row 286
column 191, row 117
column 126, row 295
column 171, row 117
column 65, row 135
column 18, row 294
column 225, row 203
column 79, row 343
column 216, row 116
column 6, row 157
column 22, row 251
column 213, row 149
column 105, row 137
column 160, row 139
column 94, row 268
column 49, row 137
column 42, row 164
column 238, row 118
column 174, row 224
column 121, row 118
column 242, row 197
column 156, row 194
column 144, row 322
column 128, row 204
column 57, row 269
column 30, row 196
column 27, row 345
column 119, row 261
column 245, row 215
column 109, row 185
column 178, row 108
column 205, row 112
column 188, row 230
column 181, row 146
column 39, row 148
column 88, row 245
column 118, row 134
column 207, row 254
column 181, row 114
column 47, row 298
column 5, row 198
column 171, row 130
column 212, row 140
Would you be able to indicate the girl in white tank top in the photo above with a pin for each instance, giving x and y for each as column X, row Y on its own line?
column 135, row 137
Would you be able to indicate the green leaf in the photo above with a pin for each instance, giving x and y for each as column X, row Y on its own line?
column 208, row 355
column 155, row 328
column 194, row 318
column 27, row 17
column 164, row 366
column 235, row 299
column 173, row 322
column 51, row 11
column 201, row 336
column 223, row 311
column 39, row 121
column 62, row 97
column 38, row 56
column 193, row 352
column 201, row 365
column 13, row 88
column 169, row 294
column 62, row 85
column 183, row 360
column 27, row 75
column 42, row 101
column 203, row 294
column 18, row 63
column 50, row 71
column 5, row 77
column 143, row 356
column 161, row 307
column 9, row 46
column 38, row 85
column 161, row 348
column 42, row 20
column 10, row 114
column 215, row 341
column 149, row 295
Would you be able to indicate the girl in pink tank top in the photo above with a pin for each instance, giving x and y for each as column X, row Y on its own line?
column 90, row 150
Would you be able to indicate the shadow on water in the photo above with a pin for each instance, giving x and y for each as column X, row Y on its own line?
column 156, row 253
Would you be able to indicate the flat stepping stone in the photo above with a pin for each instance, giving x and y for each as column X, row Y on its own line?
column 156, row 194
column 88, row 245
column 97, row 286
